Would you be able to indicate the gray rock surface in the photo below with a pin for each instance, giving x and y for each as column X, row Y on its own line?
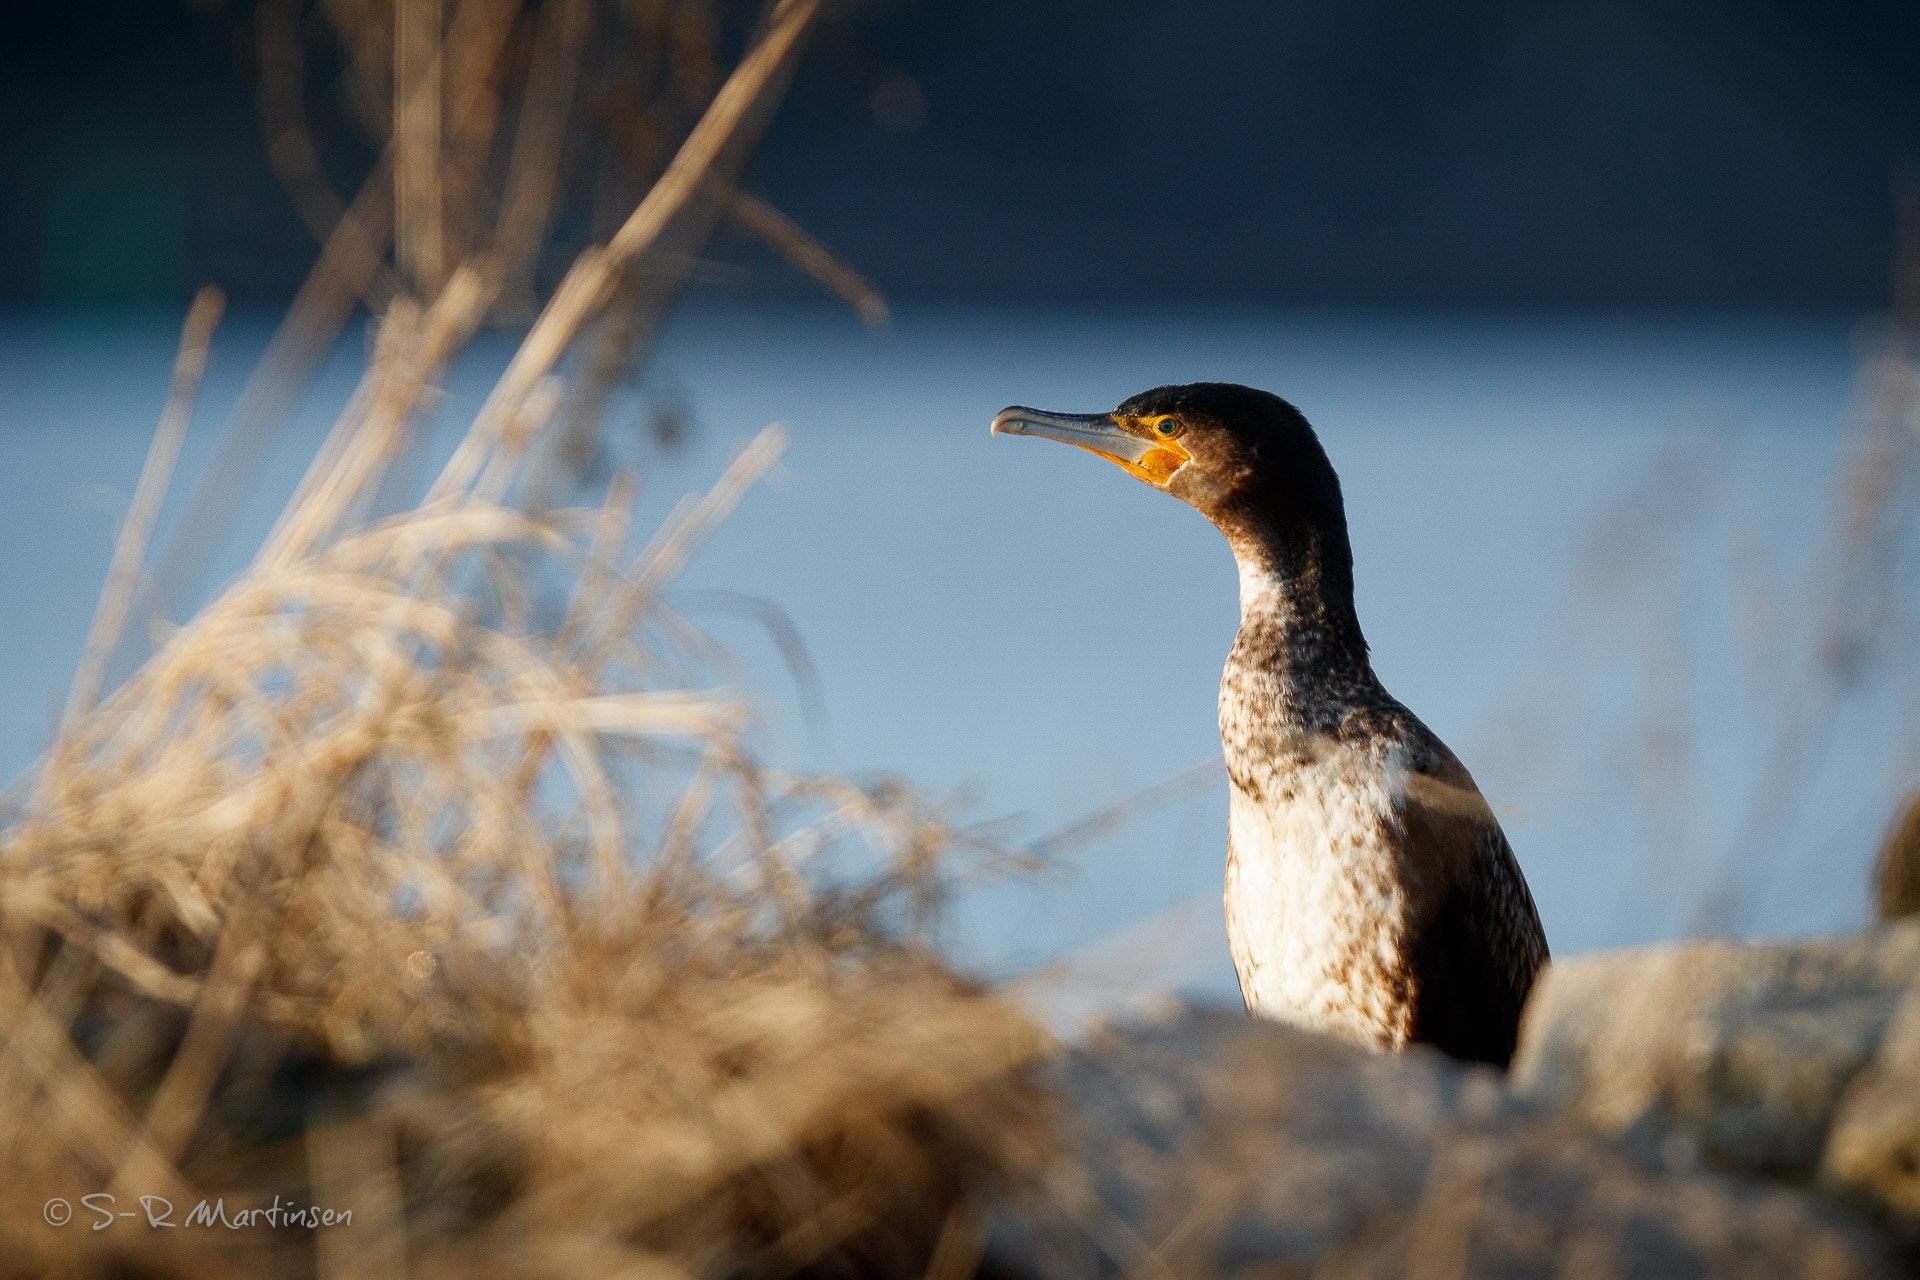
column 1872, row 1152
column 1215, row 1144
column 1795, row 1061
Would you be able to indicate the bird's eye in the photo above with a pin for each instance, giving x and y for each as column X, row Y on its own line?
column 1167, row 426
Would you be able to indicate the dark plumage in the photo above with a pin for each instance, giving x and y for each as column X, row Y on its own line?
column 1370, row 891
column 1896, row 872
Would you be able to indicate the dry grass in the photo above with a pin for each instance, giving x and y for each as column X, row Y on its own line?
column 481, row 142
column 344, row 898
column 1840, row 636
column 1681, row 578
column 384, row 887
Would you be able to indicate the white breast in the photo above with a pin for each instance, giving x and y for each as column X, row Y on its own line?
column 1317, row 908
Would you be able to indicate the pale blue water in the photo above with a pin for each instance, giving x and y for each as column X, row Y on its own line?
column 1022, row 620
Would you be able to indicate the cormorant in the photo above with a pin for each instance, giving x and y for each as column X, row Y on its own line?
column 1896, row 872
column 1370, row 891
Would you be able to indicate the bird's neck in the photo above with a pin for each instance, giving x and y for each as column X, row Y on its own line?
column 1297, row 617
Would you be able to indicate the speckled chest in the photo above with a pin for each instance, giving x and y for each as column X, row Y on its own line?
column 1319, row 896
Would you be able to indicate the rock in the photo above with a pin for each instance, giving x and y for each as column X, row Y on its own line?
column 1872, row 1153
column 1784, row 1060
column 1218, row 1144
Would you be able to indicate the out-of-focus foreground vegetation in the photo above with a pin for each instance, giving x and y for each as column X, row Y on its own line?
column 423, row 874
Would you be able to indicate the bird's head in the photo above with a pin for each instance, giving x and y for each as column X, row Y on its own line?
column 1243, row 458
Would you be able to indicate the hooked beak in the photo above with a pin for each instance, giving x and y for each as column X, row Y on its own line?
column 1120, row 441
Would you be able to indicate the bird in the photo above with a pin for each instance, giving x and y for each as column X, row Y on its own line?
column 1370, row 891
column 1896, row 872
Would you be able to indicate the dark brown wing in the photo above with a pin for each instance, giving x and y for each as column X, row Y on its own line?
column 1476, row 959
column 1478, row 943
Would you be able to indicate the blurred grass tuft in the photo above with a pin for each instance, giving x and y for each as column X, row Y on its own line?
column 381, row 888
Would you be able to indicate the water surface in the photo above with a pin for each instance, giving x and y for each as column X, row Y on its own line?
column 1021, row 621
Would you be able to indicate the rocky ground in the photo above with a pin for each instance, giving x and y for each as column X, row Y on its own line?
column 1709, row 1109
column 1798, row 1063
